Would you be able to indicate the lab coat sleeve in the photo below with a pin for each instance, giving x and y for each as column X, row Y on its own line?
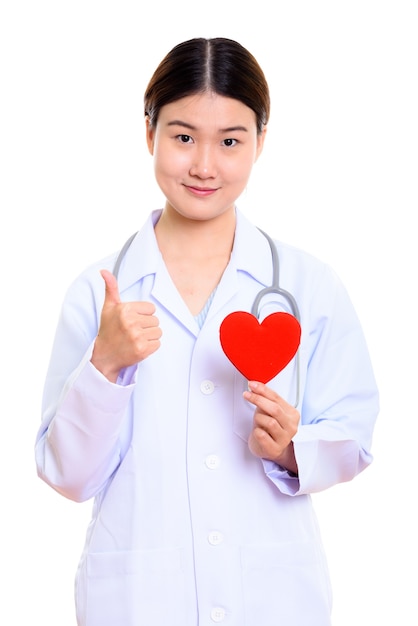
column 340, row 396
column 78, row 446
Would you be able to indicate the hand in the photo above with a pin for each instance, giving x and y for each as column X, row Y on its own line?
column 128, row 332
column 275, row 424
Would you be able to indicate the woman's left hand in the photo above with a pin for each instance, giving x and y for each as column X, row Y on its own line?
column 275, row 424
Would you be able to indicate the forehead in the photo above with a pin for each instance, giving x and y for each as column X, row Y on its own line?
column 208, row 110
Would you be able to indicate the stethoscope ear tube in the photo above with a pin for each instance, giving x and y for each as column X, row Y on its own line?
column 275, row 284
column 121, row 255
column 275, row 288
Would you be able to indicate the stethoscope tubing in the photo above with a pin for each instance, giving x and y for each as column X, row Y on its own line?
column 255, row 309
column 286, row 295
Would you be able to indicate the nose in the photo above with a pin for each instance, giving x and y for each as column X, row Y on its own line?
column 203, row 163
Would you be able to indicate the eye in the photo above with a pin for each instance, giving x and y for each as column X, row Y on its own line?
column 229, row 142
column 184, row 138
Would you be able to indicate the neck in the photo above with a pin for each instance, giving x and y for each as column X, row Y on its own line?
column 182, row 236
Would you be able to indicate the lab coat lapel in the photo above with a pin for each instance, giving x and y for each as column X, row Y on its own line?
column 142, row 260
column 227, row 288
column 257, row 265
column 166, row 295
column 247, row 237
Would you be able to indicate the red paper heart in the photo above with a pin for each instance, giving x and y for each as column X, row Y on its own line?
column 260, row 351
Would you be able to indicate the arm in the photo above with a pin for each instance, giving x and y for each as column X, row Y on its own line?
column 331, row 443
column 86, row 417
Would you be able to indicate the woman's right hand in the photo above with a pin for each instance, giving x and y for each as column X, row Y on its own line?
column 128, row 331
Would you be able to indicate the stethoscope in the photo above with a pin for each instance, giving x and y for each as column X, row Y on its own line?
column 287, row 297
column 274, row 288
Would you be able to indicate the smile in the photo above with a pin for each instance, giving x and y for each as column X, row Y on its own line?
column 201, row 191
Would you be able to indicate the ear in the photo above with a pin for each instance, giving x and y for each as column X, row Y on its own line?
column 149, row 134
column 260, row 142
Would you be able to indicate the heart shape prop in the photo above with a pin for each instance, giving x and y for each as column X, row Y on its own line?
column 260, row 351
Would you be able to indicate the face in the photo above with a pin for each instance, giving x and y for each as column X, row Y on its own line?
column 204, row 147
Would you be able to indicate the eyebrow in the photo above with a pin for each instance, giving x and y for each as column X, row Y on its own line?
column 230, row 129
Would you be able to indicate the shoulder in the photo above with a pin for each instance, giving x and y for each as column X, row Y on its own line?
column 298, row 269
column 316, row 286
column 304, row 267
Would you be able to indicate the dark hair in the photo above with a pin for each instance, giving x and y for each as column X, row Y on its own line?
column 217, row 65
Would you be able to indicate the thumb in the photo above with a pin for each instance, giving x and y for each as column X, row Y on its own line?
column 111, row 288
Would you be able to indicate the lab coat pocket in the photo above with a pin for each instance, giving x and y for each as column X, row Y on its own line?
column 127, row 588
column 285, row 583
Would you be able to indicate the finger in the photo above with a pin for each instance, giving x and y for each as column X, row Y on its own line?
column 111, row 288
column 264, row 397
column 148, row 320
column 269, row 425
column 262, row 390
column 260, row 395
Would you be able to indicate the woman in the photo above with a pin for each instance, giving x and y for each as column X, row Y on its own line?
column 201, row 479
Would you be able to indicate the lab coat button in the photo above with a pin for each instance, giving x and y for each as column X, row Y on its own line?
column 215, row 538
column 212, row 461
column 217, row 614
column 207, row 387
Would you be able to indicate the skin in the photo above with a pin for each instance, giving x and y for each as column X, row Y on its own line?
column 204, row 148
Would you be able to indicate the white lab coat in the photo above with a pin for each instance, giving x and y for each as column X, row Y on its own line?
column 188, row 527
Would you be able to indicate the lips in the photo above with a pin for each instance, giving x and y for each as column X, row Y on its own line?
column 201, row 191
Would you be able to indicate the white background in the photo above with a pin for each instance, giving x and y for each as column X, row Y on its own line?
column 338, row 177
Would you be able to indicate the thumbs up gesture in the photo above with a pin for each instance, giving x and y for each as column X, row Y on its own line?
column 128, row 331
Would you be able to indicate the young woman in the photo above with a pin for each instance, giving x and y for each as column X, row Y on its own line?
column 201, row 479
